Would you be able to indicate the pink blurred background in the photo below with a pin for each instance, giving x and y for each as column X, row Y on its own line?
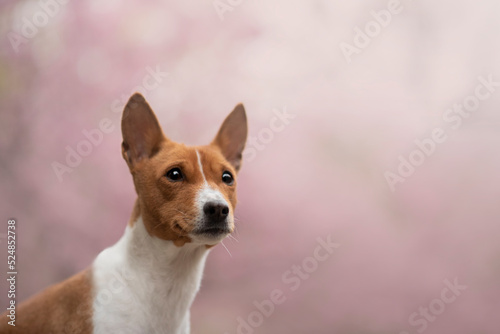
column 321, row 174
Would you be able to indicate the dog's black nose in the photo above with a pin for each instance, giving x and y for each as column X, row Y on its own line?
column 215, row 212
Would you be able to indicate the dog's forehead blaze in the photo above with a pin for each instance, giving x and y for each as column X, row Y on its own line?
column 213, row 161
column 170, row 213
column 214, row 164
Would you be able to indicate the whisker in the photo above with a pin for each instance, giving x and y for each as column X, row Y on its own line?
column 157, row 225
column 232, row 237
column 183, row 213
column 226, row 249
column 236, row 231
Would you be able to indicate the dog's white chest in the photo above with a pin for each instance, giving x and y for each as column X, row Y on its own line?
column 145, row 285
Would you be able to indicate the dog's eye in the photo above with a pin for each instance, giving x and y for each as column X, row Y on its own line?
column 175, row 175
column 227, row 178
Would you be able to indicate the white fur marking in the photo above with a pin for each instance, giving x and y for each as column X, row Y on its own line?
column 146, row 285
column 205, row 195
column 201, row 167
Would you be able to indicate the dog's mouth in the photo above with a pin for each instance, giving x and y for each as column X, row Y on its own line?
column 214, row 231
column 206, row 230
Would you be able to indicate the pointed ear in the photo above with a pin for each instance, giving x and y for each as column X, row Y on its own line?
column 232, row 136
column 141, row 132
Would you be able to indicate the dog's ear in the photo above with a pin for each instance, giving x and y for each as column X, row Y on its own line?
column 232, row 136
column 141, row 131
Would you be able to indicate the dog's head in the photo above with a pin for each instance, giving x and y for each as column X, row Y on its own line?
column 185, row 194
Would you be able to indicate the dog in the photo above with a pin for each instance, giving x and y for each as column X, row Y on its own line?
column 147, row 281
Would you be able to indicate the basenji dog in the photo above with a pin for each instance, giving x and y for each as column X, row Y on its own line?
column 146, row 282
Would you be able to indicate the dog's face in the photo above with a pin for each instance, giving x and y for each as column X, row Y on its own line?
column 185, row 194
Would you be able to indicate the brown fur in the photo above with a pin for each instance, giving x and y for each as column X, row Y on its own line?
column 64, row 308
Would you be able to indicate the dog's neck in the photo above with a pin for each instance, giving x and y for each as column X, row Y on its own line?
column 153, row 256
column 155, row 280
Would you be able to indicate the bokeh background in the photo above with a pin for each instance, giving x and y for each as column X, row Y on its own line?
column 321, row 174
